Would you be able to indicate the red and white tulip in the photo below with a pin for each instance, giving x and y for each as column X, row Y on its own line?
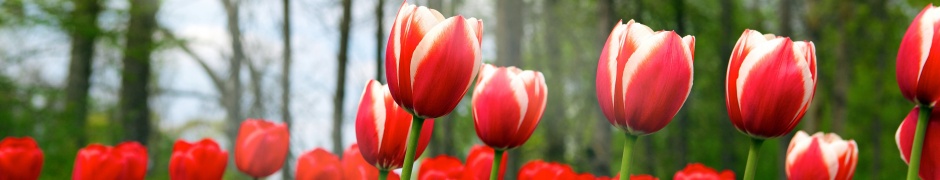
column 821, row 156
column 430, row 61
column 930, row 152
column 644, row 77
column 383, row 127
column 507, row 105
column 918, row 63
column 770, row 84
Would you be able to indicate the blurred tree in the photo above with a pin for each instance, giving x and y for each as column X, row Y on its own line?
column 285, row 81
column 134, row 109
column 379, row 39
column 342, row 61
column 83, row 29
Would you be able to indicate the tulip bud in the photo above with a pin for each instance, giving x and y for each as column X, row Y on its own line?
column 127, row 160
column 431, row 61
column 695, row 171
column 930, row 154
column 383, row 127
column 770, row 84
column 507, row 105
column 821, row 156
column 643, row 77
column 441, row 167
column 200, row 160
column 918, row 66
column 319, row 164
column 20, row 158
column 261, row 147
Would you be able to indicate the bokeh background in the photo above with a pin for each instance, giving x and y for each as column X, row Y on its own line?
column 74, row 72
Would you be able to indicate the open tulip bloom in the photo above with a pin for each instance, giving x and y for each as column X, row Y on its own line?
column 643, row 78
column 430, row 62
column 770, row 84
column 507, row 106
column 918, row 74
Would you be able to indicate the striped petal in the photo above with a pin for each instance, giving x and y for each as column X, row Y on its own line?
column 383, row 127
column 774, row 87
column 930, row 157
column 914, row 52
column 499, row 103
column 748, row 41
column 657, row 80
column 443, row 66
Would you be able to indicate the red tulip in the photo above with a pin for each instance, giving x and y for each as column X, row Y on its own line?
column 507, row 105
column 126, row 161
column 442, row 167
column 930, row 157
column 200, row 160
column 918, row 69
column 355, row 167
column 480, row 163
column 697, row 171
column 543, row 170
column 20, row 159
column 383, row 127
column 319, row 164
column 770, row 83
column 821, row 156
column 643, row 77
column 261, row 147
column 431, row 61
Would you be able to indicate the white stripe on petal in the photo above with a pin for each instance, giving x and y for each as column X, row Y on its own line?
column 753, row 58
column 641, row 56
column 379, row 111
column 517, row 86
column 613, row 51
column 809, row 83
column 927, row 22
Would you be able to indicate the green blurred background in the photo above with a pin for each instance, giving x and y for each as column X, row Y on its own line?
column 74, row 72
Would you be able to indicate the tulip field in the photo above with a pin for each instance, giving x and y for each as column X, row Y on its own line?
column 469, row 90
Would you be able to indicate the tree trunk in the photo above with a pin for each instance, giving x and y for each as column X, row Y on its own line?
column 600, row 145
column 134, row 110
column 232, row 92
column 728, row 158
column 379, row 40
column 83, row 30
column 285, row 83
column 841, row 82
column 341, row 77
column 876, row 128
column 509, row 14
column 682, row 119
column 554, row 118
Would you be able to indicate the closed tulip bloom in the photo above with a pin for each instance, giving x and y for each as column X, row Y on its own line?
column 319, row 165
column 442, row 167
column 20, row 159
column 480, row 163
column 355, row 167
column 918, row 66
column 770, row 84
column 430, row 61
column 643, row 77
column 930, row 157
column 126, row 161
column 383, row 127
column 697, row 171
column 821, row 156
column 261, row 147
column 507, row 105
column 200, row 160
column 539, row 169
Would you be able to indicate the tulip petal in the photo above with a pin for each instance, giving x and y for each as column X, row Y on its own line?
column 607, row 73
column 774, row 89
column 499, row 103
column 928, row 85
column 538, row 95
column 808, row 162
column 748, row 41
column 929, row 159
column 652, row 98
column 915, row 50
column 443, row 67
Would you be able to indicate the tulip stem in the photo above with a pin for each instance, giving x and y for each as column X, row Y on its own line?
column 922, row 120
column 628, row 143
column 497, row 159
column 383, row 174
column 416, row 124
column 752, row 156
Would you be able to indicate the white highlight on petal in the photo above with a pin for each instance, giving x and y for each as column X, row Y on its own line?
column 831, row 146
column 613, row 50
column 378, row 109
column 808, row 80
column 486, row 75
column 753, row 58
column 927, row 22
column 641, row 56
column 517, row 85
column 897, row 140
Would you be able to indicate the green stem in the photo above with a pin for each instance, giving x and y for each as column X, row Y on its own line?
column 922, row 120
column 497, row 159
column 752, row 156
column 383, row 174
column 416, row 124
column 627, row 152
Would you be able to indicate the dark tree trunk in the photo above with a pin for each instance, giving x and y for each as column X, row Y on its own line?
column 728, row 34
column 682, row 119
column 600, row 145
column 380, row 40
column 83, row 30
column 233, row 88
column 341, row 77
column 134, row 107
column 509, row 14
column 285, row 82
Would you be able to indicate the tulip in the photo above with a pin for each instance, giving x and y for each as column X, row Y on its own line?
column 918, row 74
column 319, row 164
column 430, row 62
column 480, row 164
column 200, row 160
column 441, row 167
column 929, row 168
column 382, row 128
column 355, row 166
column 821, row 156
column 771, row 81
column 697, row 171
column 261, row 147
column 507, row 105
column 20, row 158
column 127, row 160
column 539, row 169
column 643, row 78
